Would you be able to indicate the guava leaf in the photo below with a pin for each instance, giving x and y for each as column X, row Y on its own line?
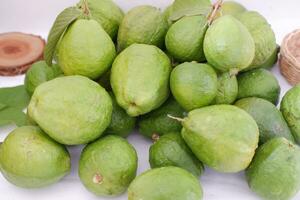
column 62, row 21
column 12, row 115
column 16, row 97
column 183, row 8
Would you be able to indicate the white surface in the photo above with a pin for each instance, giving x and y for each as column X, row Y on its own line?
column 36, row 16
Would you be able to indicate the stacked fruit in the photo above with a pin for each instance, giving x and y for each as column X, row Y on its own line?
column 177, row 74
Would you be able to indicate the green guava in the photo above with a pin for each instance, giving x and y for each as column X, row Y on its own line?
column 140, row 78
column 107, row 166
column 263, row 35
column 274, row 173
column 157, row 122
column 30, row 159
column 72, row 109
column 39, row 73
column 217, row 133
column 165, row 183
column 121, row 123
column 167, row 13
column 107, row 14
column 184, row 39
column 227, row 89
column 171, row 150
column 290, row 108
column 228, row 45
column 194, row 85
column 259, row 83
column 232, row 8
column 268, row 118
column 85, row 49
column 142, row 25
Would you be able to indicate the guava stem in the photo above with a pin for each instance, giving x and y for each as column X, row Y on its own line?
column 85, row 8
column 155, row 137
column 176, row 118
column 212, row 15
column 233, row 72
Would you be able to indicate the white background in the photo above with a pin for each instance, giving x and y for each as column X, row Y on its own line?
column 37, row 16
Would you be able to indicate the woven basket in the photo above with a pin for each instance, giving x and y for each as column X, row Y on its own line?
column 289, row 60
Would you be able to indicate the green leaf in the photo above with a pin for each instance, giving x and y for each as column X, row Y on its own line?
column 63, row 20
column 183, row 8
column 12, row 116
column 14, row 97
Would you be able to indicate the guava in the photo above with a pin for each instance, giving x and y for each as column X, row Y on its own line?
column 290, row 108
column 272, row 60
column 107, row 14
column 85, row 49
column 165, row 183
column 194, row 85
column 184, row 39
column 228, row 45
column 142, row 25
column 121, row 123
column 107, row 166
column 259, row 83
column 232, row 8
column 167, row 13
column 157, row 122
column 72, row 109
column 39, row 73
column 268, row 118
column 171, row 150
column 227, row 89
column 263, row 35
column 274, row 173
column 31, row 159
column 140, row 78
column 217, row 133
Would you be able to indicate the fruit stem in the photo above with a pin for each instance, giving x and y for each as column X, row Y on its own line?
column 155, row 137
column 176, row 118
column 215, row 9
column 233, row 72
column 85, row 8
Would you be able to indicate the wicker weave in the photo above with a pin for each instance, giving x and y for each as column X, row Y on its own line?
column 289, row 59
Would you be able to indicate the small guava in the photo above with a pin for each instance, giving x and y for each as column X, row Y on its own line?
column 142, row 25
column 258, row 83
column 184, row 39
column 39, row 73
column 140, row 78
column 31, row 159
column 290, row 108
column 71, row 109
column 158, row 123
column 217, row 133
column 107, row 166
column 228, row 45
column 165, row 183
column 85, row 49
column 274, row 173
column 194, row 85
column 171, row 150
column 227, row 89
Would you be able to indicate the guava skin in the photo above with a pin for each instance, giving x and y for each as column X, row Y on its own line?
column 31, row 159
column 107, row 14
column 259, row 83
column 216, row 133
column 290, row 108
column 171, row 150
column 232, row 8
column 184, row 39
column 142, row 25
column 72, row 110
column 274, row 173
column 107, row 166
column 268, row 118
column 228, row 45
column 140, row 78
column 263, row 35
column 121, row 124
column 158, row 122
column 39, row 73
column 165, row 183
column 194, row 85
column 85, row 49
column 272, row 60
column 227, row 89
